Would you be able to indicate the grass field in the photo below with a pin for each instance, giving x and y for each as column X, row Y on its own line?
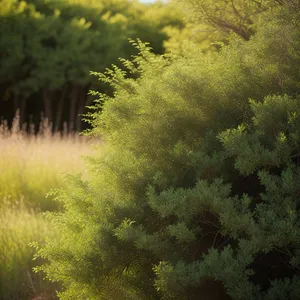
column 19, row 227
column 31, row 165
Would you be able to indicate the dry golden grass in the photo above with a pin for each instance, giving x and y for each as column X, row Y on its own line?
column 32, row 164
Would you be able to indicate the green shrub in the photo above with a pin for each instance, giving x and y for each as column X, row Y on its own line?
column 196, row 194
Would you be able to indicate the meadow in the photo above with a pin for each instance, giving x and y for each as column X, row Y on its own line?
column 31, row 165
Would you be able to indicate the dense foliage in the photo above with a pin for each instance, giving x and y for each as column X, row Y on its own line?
column 196, row 194
column 226, row 16
column 210, row 24
column 48, row 48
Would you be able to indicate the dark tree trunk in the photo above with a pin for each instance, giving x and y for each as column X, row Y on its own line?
column 60, row 108
column 16, row 118
column 19, row 109
column 47, row 105
column 81, row 106
column 16, row 104
column 23, row 103
column 72, row 108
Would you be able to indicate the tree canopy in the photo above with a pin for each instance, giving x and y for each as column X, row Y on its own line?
column 48, row 49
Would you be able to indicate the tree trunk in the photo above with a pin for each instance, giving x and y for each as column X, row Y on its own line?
column 81, row 106
column 16, row 104
column 19, row 109
column 47, row 105
column 60, row 108
column 23, row 103
column 16, row 120
column 72, row 109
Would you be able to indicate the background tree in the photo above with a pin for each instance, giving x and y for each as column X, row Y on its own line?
column 237, row 16
column 48, row 49
column 209, row 24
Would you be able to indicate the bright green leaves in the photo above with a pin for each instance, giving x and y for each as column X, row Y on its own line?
column 186, row 203
column 182, row 233
column 266, row 143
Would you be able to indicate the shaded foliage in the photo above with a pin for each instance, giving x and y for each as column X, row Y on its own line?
column 48, row 49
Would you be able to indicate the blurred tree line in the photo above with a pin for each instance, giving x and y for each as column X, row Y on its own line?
column 49, row 47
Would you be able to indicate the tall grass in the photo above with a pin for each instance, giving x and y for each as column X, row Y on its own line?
column 19, row 226
column 30, row 165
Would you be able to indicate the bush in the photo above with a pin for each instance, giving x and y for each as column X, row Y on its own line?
column 196, row 192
